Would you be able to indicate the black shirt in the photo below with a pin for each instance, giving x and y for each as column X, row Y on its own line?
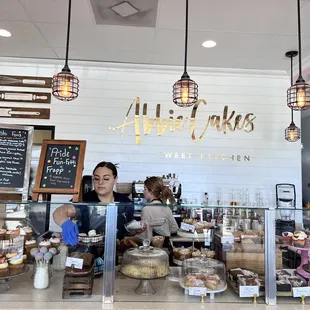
column 91, row 217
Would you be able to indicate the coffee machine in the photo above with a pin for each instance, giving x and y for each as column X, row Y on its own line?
column 137, row 194
column 286, row 203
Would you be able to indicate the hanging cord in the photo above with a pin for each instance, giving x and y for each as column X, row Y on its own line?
column 300, row 78
column 66, row 67
column 186, row 36
column 292, row 81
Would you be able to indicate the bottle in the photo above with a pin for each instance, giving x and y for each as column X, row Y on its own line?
column 59, row 261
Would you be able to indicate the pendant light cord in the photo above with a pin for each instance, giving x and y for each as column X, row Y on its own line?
column 185, row 75
column 300, row 78
column 292, row 82
column 68, row 37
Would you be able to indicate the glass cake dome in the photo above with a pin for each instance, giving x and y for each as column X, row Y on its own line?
column 145, row 263
column 203, row 272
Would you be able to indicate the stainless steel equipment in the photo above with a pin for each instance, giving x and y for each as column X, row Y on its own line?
column 286, row 200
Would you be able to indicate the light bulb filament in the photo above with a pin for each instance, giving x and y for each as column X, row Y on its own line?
column 301, row 98
column 185, row 94
column 292, row 135
column 65, row 89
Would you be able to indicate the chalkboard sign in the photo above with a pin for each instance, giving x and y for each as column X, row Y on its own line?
column 15, row 156
column 60, row 168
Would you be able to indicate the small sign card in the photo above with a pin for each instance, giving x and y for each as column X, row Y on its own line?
column 188, row 227
column 197, row 291
column 301, row 291
column 248, row 291
column 74, row 262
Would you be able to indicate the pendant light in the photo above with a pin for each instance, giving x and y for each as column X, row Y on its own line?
column 65, row 85
column 292, row 132
column 185, row 90
column 298, row 95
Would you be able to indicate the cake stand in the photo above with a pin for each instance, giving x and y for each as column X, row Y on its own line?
column 145, row 286
column 304, row 262
column 5, row 277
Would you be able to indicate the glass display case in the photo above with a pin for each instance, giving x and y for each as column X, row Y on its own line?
column 246, row 243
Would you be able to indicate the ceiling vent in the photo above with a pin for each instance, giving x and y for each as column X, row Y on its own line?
column 136, row 13
column 124, row 9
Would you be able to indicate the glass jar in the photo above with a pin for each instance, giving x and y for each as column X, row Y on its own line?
column 41, row 276
column 59, row 260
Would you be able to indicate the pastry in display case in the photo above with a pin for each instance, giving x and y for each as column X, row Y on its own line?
column 145, row 263
column 203, row 273
column 182, row 253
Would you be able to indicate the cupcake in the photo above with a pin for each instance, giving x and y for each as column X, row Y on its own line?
column 16, row 261
column 299, row 239
column 30, row 244
column 11, row 254
column 287, row 237
column 55, row 242
column 44, row 243
column 3, row 265
column 2, row 233
column 27, row 233
column 11, row 234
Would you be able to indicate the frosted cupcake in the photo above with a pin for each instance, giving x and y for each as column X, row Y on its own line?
column 55, row 242
column 3, row 265
column 2, row 233
column 28, row 233
column 30, row 244
column 299, row 239
column 44, row 243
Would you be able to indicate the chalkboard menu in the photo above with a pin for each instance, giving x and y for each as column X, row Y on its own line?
column 60, row 167
column 15, row 154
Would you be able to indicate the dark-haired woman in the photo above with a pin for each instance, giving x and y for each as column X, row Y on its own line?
column 104, row 178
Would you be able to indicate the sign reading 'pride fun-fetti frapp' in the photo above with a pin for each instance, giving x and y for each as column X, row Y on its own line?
column 144, row 125
column 60, row 168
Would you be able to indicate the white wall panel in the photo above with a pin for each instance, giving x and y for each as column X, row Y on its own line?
column 107, row 91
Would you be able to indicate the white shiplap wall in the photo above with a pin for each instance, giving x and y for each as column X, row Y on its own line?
column 107, row 90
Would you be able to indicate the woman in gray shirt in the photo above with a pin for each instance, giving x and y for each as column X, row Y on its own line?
column 158, row 216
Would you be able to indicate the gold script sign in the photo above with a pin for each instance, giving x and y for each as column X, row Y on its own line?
column 227, row 121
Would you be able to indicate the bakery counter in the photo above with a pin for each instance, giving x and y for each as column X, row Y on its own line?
column 22, row 289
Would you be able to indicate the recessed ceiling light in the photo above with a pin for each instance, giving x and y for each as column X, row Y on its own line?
column 209, row 44
column 124, row 9
column 5, row 33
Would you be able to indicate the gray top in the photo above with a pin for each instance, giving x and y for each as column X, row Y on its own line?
column 158, row 218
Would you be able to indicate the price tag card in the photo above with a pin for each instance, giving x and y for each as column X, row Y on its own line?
column 248, row 291
column 188, row 227
column 301, row 291
column 197, row 291
column 75, row 262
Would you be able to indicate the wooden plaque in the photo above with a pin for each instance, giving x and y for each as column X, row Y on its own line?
column 19, row 112
column 25, row 96
column 25, row 81
column 60, row 168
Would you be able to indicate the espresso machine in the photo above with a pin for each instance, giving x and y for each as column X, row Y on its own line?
column 286, row 203
column 137, row 195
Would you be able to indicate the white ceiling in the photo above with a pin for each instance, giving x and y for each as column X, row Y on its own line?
column 249, row 33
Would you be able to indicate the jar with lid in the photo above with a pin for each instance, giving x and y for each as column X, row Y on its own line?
column 59, row 260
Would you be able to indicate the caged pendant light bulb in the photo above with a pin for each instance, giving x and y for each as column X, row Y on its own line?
column 185, row 90
column 65, row 85
column 292, row 132
column 298, row 95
